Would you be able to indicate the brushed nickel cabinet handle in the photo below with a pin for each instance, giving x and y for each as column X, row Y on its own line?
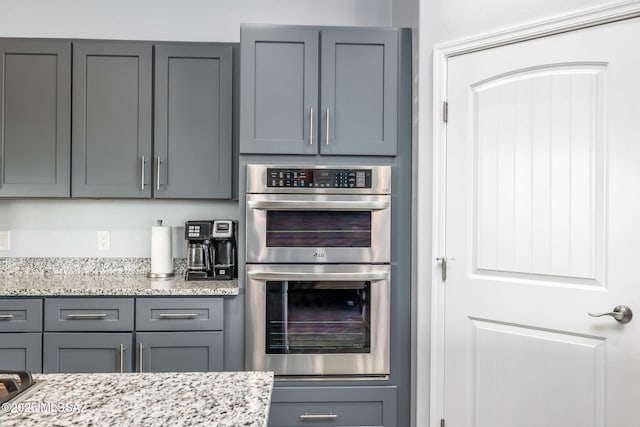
column 311, row 126
column 6, row 316
column 158, row 174
column 121, row 358
column 142, row 173
column 178, row 315
column 327, row 129
column 140, row 357
column 76, row 316
column 316, row 417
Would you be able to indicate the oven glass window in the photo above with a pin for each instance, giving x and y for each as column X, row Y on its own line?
column 327, row 229
column 318, row 317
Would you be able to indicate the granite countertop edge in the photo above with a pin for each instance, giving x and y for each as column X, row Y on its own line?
column 60, row 285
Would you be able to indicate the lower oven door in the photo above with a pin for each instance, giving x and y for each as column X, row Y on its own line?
column 316, row 320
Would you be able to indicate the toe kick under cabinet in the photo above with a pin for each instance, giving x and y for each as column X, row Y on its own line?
column 127, row 334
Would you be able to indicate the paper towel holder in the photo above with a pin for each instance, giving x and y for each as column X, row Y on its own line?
column 160, row 275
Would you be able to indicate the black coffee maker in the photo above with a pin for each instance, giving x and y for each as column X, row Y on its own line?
column 199, row 250
column 225, row 258
column 211, row 250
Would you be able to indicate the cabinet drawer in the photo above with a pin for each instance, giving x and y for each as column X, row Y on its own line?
column 20, row 315
column 88, row 314
column 179, row 314
column 333, row 406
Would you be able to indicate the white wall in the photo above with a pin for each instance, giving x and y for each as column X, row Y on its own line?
column 443, row 21
column 68, row 227
column 191, row 20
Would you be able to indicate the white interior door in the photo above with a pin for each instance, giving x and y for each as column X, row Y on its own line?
column 543, row 227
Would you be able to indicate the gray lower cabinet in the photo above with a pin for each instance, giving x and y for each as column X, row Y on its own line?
column 333, row 406
column 21, row 351
column 111, row 130
column 179, row 351
column 35, row 104
column 72, row 352
column 192, row 138
column 353, row 113
column 103, row 334
column 179, row 334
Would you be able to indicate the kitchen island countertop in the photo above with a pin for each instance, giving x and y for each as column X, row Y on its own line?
column 42, row 285
column 144, row 399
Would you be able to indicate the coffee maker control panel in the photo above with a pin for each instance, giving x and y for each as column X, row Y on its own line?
column 222, row 229
column 198, row 230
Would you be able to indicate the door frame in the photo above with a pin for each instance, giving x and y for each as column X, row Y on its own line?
column 434, row 380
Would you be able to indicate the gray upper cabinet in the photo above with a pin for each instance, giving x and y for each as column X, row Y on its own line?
column 359, row 82
column 355, row 72
column 279, row 90
column 111, row 154
column 35, row 103
column 192, row 139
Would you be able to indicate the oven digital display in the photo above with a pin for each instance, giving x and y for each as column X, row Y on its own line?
column 319, row 178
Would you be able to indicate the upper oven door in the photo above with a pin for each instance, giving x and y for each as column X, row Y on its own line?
column 318, row 228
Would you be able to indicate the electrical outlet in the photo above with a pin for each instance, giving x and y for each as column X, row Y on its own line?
column 5, row 240
column 104, row 240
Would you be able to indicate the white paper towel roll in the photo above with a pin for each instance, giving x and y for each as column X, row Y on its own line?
column 161, row 250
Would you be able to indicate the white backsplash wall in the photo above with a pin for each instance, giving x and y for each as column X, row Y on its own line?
column 68, row 228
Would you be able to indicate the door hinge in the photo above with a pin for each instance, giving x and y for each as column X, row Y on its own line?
column 445, row 111
column 442, row 422
column 443, row 265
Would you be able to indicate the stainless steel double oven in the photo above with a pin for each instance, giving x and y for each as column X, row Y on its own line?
column 317, row 254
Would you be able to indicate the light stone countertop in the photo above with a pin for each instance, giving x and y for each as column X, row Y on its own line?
column 42, row 285
column 144, row 399
column 42, row 277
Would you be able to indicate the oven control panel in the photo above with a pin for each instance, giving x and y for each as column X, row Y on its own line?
column 319, row 178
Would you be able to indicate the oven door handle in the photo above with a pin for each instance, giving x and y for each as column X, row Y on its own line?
column 340, row 205
column 288, row 275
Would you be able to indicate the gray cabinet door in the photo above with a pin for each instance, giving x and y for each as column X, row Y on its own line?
column 21, row 351
column 179, row 351
column 279, row 90
column 35, row 103
column 193, row 105
column 359, row 81
column 111, row 130
column 87, row 352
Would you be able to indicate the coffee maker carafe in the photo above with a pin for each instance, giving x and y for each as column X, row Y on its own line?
column 225, row 257
column 199, row 250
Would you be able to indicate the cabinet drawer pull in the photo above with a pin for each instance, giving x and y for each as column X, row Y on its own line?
column 178, row 315
column 76, row 316
column 316, row 417
column 6, row 316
